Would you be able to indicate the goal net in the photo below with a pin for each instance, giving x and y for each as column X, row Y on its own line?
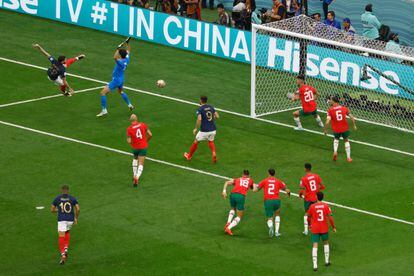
column 372, row 78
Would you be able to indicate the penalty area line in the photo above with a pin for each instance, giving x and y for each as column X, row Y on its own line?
column 189, row 168
column 49, row 97
column 218, row 109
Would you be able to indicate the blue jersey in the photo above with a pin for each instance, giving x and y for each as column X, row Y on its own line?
column 207, row 118
column 66, row 207
column 56, row 69
column 120, row 67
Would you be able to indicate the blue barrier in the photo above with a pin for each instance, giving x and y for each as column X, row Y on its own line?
column 211, row 39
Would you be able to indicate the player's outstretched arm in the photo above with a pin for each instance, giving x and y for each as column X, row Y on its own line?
column 37, row 46
column 255, row 187
column 77, row 211
column 116, row 55
column 301, row 192
column 53, row 209
column 226, row 184
column 149, row 135
column 353, row 120
column 287, row 192
column 325, row 128
column 216, row 115
column 331, row 221
column 129, row 140
column 197, row 125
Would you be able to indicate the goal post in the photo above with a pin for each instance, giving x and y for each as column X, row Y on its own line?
column 373, row 79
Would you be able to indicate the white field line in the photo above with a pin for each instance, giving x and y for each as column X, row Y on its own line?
column 218, row 109
column 48, row 97
column 187, row 168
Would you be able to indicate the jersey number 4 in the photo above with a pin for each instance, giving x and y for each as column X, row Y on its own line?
column 138, row 134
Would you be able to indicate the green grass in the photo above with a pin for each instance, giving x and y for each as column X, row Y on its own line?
column 173, row 223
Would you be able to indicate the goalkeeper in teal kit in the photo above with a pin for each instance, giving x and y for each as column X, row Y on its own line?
column 121, row 57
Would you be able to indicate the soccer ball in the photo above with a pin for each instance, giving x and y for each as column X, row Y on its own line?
column 161, row 83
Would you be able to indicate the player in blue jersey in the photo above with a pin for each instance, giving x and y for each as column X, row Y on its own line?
column 67, row 209
column 121, row 57
column 205, row 128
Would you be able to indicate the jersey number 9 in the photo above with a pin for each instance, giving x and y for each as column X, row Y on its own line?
column 209, row 116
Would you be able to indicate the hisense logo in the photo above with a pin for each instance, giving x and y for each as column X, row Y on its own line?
column 328, row 68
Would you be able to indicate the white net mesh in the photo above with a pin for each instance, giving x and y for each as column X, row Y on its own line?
column 377, row 86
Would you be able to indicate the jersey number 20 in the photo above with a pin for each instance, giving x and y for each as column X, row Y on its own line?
column 308, row 96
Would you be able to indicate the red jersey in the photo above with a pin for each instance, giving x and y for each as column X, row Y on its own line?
column 271, row 187
column 318, row 215
column 242, row 184
column 138, row 133
column 307, row 97
column 312, row 184
column 338, row 114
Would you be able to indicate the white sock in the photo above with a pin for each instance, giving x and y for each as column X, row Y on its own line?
column 348, row 149
column 319, row 121
column 231, row 216
column 140, row 169
column 336, row 144
column 326, row 250
column 134, row 166
column 305, row 223
column 297, row 121
column 315, row 257
column 277, row 222
column 270, row 223
column 234, row 222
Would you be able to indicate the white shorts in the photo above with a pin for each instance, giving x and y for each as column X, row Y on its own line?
column 64, row 226
column 57, row 81
column 202, row 136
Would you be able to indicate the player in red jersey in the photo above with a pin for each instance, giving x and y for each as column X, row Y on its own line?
column 138, row 135
column 310, row 185
column 237, row 199
column 337, row 117
column 271, row 187
column 307, row 95
column 318, row 216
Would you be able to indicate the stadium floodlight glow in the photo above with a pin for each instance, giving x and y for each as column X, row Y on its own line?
column 374, row 83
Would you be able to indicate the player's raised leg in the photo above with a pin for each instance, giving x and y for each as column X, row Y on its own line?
column 296, row 118
column 104, row 92
column 318, row 120
column 125, row 98
column 348, row 150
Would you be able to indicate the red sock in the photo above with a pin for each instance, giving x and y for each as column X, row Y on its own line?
column 63, row 88
column 193, row 148
column 67, row 239
column 62, row 244
column 212, row 147
column 69, row 61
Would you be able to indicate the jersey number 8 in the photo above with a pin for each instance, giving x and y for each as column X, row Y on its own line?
column 312, row 185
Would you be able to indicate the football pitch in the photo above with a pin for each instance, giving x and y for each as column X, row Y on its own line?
column 173, row 223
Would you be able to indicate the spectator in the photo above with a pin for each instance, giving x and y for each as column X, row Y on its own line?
column 170, row 6
column 121, row 1
column 346, row 23
column 325, row 7
column 316, row 16
column 240, row 14
column 393, row 46
column 224, row 18
column 331, row 21
column 297, row 8
column 192, row 8
column 290, row 11
column 277, row 13
column 256, row 16
column 370, row 23
column 131, row 2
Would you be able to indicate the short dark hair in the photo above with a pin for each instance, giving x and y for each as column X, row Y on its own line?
column 61, row 59
column 272, row 172
column 123, row 53
column 203, row 99
column 246, row 172
column 301, row 77
column 308, row 166
column 332, row 13
column 220, row 6
column 320, row 196
column 316, row 14
column 335, row 99
column 368, row 7
column 65, row 187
